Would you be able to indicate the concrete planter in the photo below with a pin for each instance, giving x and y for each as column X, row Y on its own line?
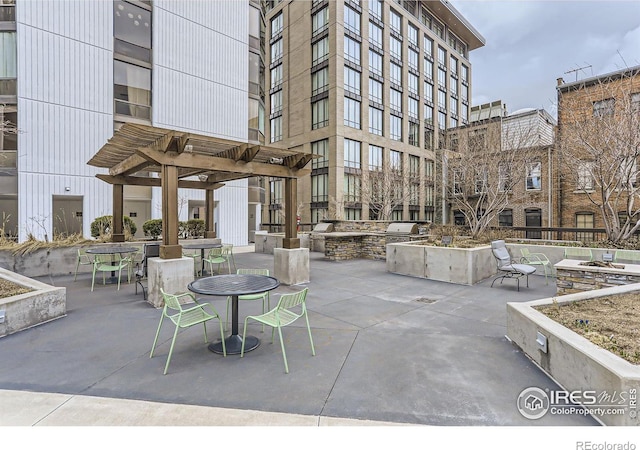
column 453, row 265
column 266, row 242
column 573, row 361
column 43, row 304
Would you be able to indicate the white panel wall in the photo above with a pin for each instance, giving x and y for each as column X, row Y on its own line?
column 64, row 107
column 200, row 82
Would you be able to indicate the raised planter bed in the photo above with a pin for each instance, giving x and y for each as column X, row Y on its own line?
column 574, row 276
column 573, row 361
column 43, row 304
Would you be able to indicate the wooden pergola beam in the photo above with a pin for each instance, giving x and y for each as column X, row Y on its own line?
column 143, row 181
column 217, row 164
column 137, row 162
column 297, row 161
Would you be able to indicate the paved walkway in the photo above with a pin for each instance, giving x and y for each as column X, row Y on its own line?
column 389, row 349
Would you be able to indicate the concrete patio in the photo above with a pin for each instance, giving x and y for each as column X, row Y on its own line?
column 389, row 349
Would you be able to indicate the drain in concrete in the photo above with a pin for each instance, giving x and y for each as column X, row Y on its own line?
column 425, row 300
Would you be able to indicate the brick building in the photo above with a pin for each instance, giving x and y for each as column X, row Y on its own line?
column 599, row 146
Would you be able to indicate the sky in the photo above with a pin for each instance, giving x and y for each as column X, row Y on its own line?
column 530, row 44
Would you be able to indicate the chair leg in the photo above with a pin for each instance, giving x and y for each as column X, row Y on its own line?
column 206, row 339
column 224, row 347
column 173, row 341
column 153, row 347
column 284, row 353
column 75, row 277
column 313, row 350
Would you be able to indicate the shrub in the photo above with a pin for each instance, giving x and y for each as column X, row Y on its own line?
column 152, row 228
column 101, row 226
column 194, row 228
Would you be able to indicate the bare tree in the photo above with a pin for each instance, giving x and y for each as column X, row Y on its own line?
column 386, row 190
column 485, row 174
column 600, row 147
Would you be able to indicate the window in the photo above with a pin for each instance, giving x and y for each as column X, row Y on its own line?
column 413, row 59
column 428, row 138
column 320, row 51
column 428, row 46
column 351, row 80
column 442, row 99
column 604, row 107
column 320, row 187
column 395, row 48
column 442, row 124
column 464, row 73
column 395, row 22
column 375, row 120
column 320, row 81
column 276, row 50
column 396, row 128
column 352, row 214
column 320, row 114
column 375, row 9
column 428, row 115
column 276, row 76
column 504, row 177
column 534, row 176
column 320, row 148
column 505, row 218
column 482, row 180
column 318, row 214
column 8, row 63
column 442, row 78
column 585, row 179
column 453, row 106
column 477, row 139
column 413, row 108
column 395, row 100
column 352, row 50
column 352, row 154
column 276, row 129
column 395, row 160
column 584, row 220
column 375, row 35
column 351, row 113
column 412, row 35
column 458, row 178
column 7, row 11
column 277, row 25
column 132, row 31
column 375, row 91
column 375, row 63
column 276, row 102
column 8, row 141
column 414, row 134
column 453, row 65
column 453, row 86
column 395, row 74
column 428, row 92
column 320, row 21
column 132, row 90
column 442, row 57
column 429, row 200
column 351, row 20
column 414, row 81
column 375, row 157
column 628, row 172
column 428, row 69
column 464, row 92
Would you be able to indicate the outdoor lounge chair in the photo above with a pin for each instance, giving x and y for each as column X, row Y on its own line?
column 150, row 251
column 627, row 256
column 507, row 266
column 578, row 253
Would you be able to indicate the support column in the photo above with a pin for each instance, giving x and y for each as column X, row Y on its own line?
column 291, row 203
column 117, row 232
column 169, row 179
column 209, row 223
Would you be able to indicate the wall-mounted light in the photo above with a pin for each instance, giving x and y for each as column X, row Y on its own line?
column 203, row 177
column 67, row 188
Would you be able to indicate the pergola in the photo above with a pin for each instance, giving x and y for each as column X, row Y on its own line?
column 187, row 160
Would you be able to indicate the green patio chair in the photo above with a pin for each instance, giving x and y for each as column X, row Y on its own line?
column 195, row 255
column 218, row 256
column 231, row 257
column 264, row 296
column 537, row 259
column 185, row 311
column 104, row 263
column 578, row 253
column 83, row 259
column 290, row 308
column 628, row 256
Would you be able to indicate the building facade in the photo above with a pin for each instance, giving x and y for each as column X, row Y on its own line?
column 370, row 87
column 599, row 136
column 524, row 142
column 72, row 72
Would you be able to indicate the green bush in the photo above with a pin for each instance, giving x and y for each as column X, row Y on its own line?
column 194, row 228
column 152, row 228
column 102, row 226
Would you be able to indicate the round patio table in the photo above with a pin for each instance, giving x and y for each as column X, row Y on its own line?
column 112, row 250
column 234, row 285
column 202, row 246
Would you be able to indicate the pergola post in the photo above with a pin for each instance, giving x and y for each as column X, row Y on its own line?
column 170, row 249
column 291, row 224
column 117, row 233
column 209, row 224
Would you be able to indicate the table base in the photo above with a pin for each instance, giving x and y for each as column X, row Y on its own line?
column 233, row 345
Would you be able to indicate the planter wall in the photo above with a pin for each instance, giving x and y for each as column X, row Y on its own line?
column 574, row 362
column 43, row 304
column 450, row 264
